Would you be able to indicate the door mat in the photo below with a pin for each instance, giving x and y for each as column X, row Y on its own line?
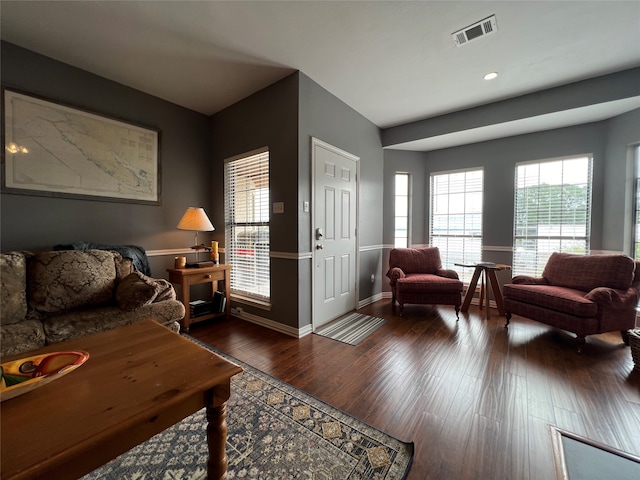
column 351, row 328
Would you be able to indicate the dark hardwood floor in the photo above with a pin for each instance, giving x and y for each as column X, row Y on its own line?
column 476, row 399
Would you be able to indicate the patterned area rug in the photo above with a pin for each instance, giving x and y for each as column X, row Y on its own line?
column 351, row 328
column 275, row 431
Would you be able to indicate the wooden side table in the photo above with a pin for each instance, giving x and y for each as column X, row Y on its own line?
column 185, row 277
column 489, row 282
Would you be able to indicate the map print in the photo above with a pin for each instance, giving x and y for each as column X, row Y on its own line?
column 68, row 151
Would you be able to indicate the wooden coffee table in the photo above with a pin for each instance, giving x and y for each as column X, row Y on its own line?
column 138, row 381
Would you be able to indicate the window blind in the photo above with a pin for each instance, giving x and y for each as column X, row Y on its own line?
column 456, row 218
column 552, row 211
column 401, row 229
column 246, row 201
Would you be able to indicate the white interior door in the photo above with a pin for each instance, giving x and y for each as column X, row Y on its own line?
column 335, row 192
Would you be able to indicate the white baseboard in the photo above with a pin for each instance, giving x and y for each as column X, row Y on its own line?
column 370, row 300
column 270, row 324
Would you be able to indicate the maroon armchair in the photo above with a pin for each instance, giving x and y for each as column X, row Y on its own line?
column 583, row 294
column 416, row 276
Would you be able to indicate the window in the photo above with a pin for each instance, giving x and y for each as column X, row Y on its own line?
column 456, row 218
column 246, row 207
column 552, row 211
column 636, row 205
column 401, row 232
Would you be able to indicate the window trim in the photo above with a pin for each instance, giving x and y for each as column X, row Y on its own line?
column 246, row 296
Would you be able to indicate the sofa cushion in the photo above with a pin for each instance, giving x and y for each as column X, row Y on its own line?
column 560, row 299
column 21, row 337
column 63, row 280
column 415, row 260
column 13, row 287
column 586, row 272
column 136, row 290
column 79, row 323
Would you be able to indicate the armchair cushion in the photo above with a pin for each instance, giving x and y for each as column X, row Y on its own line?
column 415, row 260
column 560, row 299
column 429, row 283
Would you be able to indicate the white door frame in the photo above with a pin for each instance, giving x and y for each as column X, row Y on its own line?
column 317, row 142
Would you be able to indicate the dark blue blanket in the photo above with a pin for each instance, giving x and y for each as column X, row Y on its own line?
column 137, row 254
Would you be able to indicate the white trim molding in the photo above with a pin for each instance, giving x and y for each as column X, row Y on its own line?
column 173, row 252
column 270, row 324
column 370, row 248
column 370, row 300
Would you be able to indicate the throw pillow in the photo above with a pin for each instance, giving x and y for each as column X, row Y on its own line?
column 136, row 290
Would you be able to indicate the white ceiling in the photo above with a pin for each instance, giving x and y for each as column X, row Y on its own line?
column 394, row 62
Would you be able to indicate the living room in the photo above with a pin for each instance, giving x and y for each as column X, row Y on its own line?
column 284, row 115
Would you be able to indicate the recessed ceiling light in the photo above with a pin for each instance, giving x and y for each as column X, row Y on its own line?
column 491, row 76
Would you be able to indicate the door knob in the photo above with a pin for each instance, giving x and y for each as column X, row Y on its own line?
column 319, row 246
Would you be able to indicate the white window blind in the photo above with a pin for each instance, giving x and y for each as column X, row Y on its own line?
column 456, row 218
column 401, row 231
column 552, row 211
column 246, row 205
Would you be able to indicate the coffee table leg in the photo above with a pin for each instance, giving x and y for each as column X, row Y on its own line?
column 217, row 434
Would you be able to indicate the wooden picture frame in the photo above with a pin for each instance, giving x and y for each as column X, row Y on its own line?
column 57, row 150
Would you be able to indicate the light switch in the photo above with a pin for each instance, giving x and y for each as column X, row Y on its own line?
column 278, row 207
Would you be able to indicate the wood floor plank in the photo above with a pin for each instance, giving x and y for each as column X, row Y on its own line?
column 477, row 399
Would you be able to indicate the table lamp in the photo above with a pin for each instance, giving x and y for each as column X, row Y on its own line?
column 195, row 219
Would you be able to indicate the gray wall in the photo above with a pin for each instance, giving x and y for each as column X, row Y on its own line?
column 284, row 117
column 268, row 118
column 414, row 163
column 327, row 118
column 37, row 223
column 622, row 133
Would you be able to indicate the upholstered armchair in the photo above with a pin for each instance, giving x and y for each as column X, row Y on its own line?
column 417, row 277
column 582, row 294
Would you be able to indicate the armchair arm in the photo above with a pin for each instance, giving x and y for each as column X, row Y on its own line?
column 394, row 274
column 527, row 280
column 614, row 299
column 443, row 272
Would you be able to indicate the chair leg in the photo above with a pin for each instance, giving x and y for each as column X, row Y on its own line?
column 457, row 312
column 580, row 341
column 625, row 336
column 508, row 315
column 401, row 308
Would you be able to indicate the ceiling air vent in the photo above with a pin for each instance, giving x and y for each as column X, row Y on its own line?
column 475, row 31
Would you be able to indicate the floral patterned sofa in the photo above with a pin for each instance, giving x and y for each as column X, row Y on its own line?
column 583, row 294
column 53, row 296
column 416, row 276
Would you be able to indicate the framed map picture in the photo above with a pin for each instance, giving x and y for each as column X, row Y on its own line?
column 55, row 150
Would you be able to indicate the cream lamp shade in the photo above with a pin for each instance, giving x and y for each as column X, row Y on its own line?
column 196, row 220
